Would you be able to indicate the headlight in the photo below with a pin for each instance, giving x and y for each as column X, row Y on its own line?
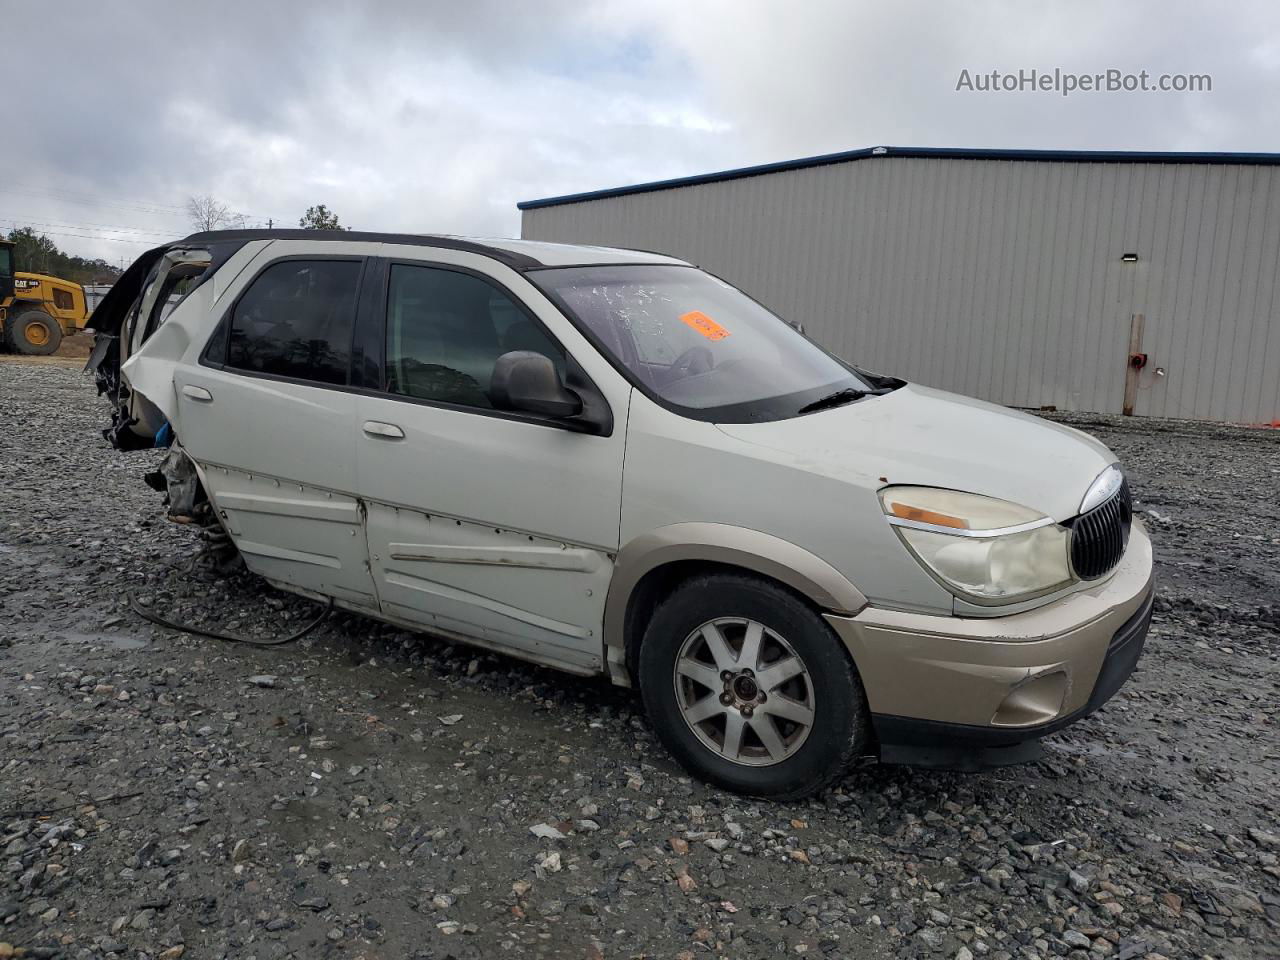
column 986, row 550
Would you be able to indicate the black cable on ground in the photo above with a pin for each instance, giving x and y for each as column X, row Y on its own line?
column 155, row 618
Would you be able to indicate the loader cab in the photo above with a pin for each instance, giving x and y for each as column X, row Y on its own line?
column 6, row 270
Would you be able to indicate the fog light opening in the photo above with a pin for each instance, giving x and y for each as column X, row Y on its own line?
column 1033, row 702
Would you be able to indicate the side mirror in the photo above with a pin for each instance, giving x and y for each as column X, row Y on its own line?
column 525, row 380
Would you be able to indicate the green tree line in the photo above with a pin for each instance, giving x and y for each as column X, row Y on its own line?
column 36, row 253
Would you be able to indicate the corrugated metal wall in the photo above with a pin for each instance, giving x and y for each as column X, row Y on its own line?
column 996, row 278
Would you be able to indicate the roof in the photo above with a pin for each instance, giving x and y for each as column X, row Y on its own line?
column 517, row 254
column 933, row 153
column 574, row 254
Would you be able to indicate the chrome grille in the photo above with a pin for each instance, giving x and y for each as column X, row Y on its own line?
column 1098, row 538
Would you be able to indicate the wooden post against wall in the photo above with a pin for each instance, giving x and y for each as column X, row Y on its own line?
column 1131, row 370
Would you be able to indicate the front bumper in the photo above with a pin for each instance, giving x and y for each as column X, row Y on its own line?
column 974, row 692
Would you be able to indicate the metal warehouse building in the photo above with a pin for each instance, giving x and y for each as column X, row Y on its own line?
column 1030, row 278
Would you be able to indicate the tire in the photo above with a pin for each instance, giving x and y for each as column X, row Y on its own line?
column 33, row 333
column 719, row 612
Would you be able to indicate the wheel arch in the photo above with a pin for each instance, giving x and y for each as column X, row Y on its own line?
column 649, row 566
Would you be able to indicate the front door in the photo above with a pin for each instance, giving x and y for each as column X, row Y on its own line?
column 499, row 527
column 269, row 418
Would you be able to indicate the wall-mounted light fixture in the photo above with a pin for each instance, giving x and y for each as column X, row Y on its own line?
column 1128, row 258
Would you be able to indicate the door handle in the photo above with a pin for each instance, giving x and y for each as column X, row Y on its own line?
column 384, row 431
column 197, row 393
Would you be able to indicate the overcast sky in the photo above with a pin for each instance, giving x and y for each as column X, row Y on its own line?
column 439, row 116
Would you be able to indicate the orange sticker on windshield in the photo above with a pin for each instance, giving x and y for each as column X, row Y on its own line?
column 704, row 325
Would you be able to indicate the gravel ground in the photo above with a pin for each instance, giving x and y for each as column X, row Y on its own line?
column 372, row 793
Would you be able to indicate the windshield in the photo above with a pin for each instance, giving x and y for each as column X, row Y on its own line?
column 696, row 342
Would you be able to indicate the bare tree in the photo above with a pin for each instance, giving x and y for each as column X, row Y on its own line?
column 206, row 213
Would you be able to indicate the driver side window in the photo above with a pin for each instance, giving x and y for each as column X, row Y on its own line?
column 446, row 330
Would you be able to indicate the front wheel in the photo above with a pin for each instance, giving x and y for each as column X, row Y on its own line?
column 750, row 689
column 33, row 333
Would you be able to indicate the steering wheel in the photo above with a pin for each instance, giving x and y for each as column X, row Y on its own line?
column 693, row 361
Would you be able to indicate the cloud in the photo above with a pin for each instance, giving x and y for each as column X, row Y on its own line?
column 847, row 75
column 439, row 117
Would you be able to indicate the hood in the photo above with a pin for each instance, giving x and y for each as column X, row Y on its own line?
column 918, row 435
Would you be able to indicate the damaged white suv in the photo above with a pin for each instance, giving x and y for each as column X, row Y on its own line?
column 611, row 462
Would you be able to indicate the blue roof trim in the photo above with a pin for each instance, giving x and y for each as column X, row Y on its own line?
column 937, row 153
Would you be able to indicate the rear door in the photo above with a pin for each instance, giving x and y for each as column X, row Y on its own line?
column 497, row 526
column 268, row 414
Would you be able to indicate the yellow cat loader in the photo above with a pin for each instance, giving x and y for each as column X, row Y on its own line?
column 35, row 309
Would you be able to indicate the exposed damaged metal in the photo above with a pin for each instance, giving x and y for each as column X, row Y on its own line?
column 127, row 317
column 188, row 503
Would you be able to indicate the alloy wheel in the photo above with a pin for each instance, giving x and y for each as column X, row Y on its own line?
column 744, row 691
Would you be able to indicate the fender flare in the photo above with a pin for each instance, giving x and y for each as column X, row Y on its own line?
column 806, row 573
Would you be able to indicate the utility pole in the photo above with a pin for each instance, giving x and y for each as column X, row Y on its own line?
column 270, row 223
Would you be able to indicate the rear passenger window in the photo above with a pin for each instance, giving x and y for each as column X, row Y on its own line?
column 295, row 320
column 445, row 331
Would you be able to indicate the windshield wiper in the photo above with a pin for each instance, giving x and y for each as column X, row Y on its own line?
column 837, row 399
